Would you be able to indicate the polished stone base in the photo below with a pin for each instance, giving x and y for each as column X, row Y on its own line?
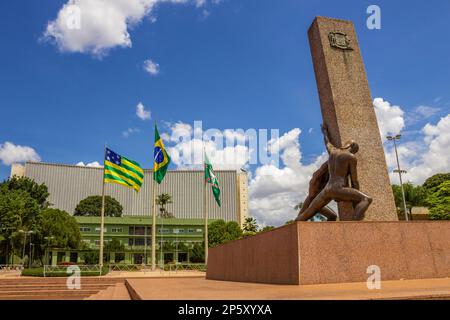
column 335, row 252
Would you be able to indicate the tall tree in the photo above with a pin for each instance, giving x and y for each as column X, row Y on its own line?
column 439, row 202
column 433, row 182
column 61, row 227
column 18, row 212
column 38, row 192
column 92, row 206
column 220, row 231
column 162, row 200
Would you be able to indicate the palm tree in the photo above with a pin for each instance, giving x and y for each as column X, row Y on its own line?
column 162, row 200
column 250, row 225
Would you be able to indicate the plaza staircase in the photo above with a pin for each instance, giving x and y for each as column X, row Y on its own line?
column 92, row 288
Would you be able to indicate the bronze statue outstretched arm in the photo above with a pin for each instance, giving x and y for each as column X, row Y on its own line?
column 326, row 137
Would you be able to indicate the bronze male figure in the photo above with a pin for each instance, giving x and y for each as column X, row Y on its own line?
column 342, row 165
column 317, row 183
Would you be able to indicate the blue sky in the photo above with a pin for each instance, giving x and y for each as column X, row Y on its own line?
column 231, row 63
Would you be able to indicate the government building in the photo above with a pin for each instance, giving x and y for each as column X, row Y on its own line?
column 69, row 184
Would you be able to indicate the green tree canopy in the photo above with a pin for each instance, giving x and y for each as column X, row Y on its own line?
column 433, row 182
column 92, row 206
column 439, row 202
column 220, row 231
column 18, row 210
column 58, row 228
column 38, row 192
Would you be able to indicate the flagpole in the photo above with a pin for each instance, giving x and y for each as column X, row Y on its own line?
column 155, row 185
column 102, row 214
column 205, row 209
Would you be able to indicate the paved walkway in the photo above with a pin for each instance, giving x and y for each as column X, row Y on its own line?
column 202, row 289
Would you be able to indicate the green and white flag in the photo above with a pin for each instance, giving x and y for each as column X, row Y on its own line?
column 211, row 178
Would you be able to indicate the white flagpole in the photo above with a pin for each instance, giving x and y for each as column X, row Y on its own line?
column 205, row 206
column 102, row 214
column 154, row 225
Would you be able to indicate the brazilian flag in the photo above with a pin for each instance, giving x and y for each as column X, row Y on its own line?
column 121, row 170
column 161, row 159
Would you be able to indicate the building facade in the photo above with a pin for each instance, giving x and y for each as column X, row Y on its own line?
column 175, row 239
column 69, row 184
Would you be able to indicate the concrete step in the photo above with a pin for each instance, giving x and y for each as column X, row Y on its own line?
column 48, row 293
column 60, row 297
column 51, row 287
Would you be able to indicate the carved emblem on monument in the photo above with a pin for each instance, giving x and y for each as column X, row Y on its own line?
column 339, row 40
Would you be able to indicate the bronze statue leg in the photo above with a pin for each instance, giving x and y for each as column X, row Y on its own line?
column 320, row 201
column 328, row 213
column 361, row 200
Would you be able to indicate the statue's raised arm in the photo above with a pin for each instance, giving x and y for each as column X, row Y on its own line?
column 326, row 136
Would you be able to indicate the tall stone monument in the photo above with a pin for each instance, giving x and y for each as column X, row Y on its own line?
column 347, row 110
column 308, row 252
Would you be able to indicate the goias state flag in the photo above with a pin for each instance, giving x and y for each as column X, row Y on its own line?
column 121, row 170
column 161, row 158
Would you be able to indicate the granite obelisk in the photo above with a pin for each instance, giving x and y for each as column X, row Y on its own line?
column 347, row 110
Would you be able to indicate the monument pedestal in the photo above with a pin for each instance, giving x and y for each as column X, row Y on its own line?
column 335, row 252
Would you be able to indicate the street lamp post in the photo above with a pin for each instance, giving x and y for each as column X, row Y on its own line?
column 399, row 171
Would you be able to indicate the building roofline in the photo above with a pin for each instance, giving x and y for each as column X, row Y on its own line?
column 101, row 168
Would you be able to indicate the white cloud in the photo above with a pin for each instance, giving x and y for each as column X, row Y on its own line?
column 430, row 155
column 187, row 151
column 151, row 67
column 427, row 111
column 96, row 26
column 390, row 118
column 142, row 113
column 129, row 132
column 94, row 164
column 275, row 191
column 11, row 153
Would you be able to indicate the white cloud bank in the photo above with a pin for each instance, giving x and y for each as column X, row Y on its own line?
column 390, row 118
column 423, row 156
column 11, row 153
column 96, row 26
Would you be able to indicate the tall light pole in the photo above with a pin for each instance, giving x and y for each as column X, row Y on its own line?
column 399, row 171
